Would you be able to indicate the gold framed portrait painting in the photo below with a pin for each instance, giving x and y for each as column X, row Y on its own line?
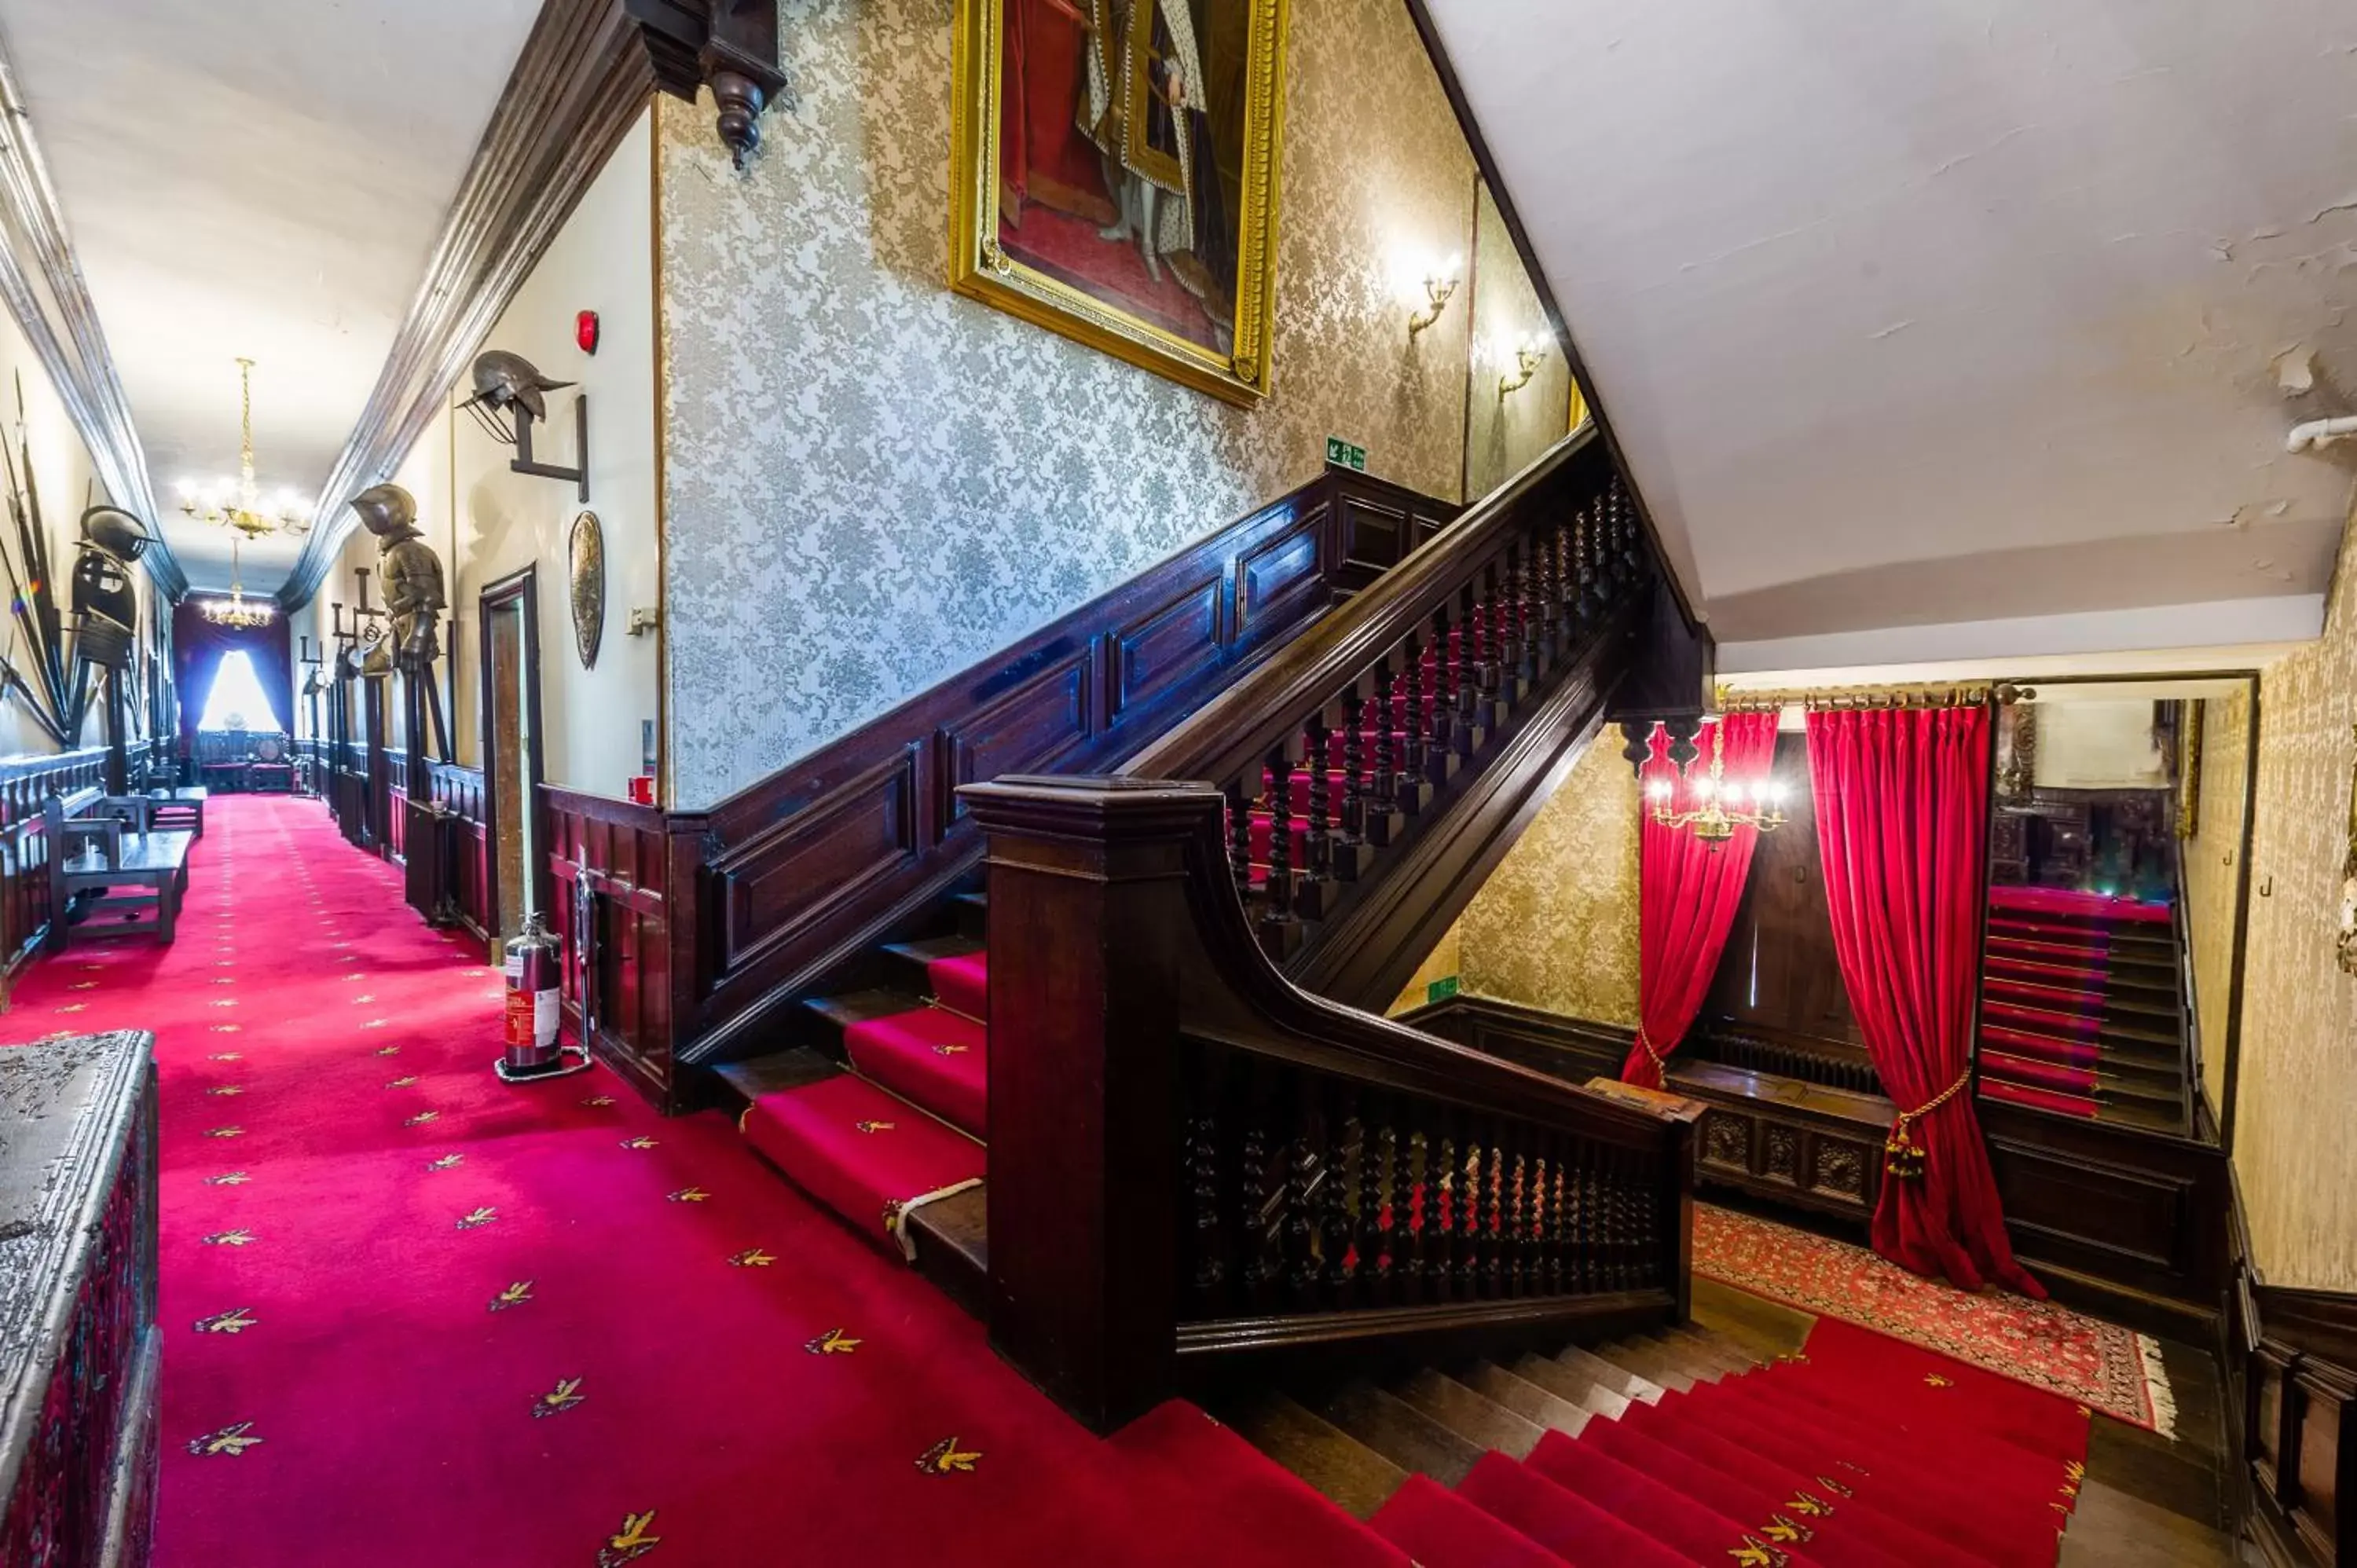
column 1113, row 170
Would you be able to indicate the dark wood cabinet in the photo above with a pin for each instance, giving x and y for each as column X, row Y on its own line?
column 79, row 1346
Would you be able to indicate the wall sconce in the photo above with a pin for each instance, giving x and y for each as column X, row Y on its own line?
column 1439, row 288
column 1529, row 355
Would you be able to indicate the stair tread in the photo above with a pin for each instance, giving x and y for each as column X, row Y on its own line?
column 1565, row 1383
column 930, row 1057
column 1348, row 1473
column 1655, row 1366
column 850, row 1008
column 1609, row 1375
column 1472, row 1416
column 1439, row 1529
column 781, row 1071
column 860, row 1150
column 1525, row 1399
column 1401, row 1432
column 926, row 950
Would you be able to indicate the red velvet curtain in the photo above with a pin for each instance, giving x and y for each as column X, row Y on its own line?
column 197, row 648
column 1687, row 890
column 1902, row 807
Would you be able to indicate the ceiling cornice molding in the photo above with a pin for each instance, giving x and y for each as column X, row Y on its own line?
column 586, row 71
column 42, row 285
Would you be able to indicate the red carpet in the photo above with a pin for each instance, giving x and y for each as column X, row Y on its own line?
column 1861, row 1453
column 2037, row 1344
column 414, row 1315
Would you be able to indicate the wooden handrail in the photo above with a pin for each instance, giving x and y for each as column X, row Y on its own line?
column 1235, row 727
column 1193, row 1158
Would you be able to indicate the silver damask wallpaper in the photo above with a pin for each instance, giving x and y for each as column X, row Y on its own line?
column 2213, row 877
column 2296, row 1083
column 870, row 483
column 1555, row 925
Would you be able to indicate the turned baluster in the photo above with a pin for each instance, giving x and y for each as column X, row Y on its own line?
column 1417, row 762
column 1203, row 1182
column 1467, row 681
column 1514, row 648
column 1317, row 850
column 1255, row 1268
column 1279, row 772
column 1517, row 1236
column 1473, row 1221
column 1382, row 1214
column 1616, row 1220
column 1364, row 1222
column 1560, row 1276
column 1346, row 1139
column 1581, row 1217
column 1440, row 1193
column 1496, row 1243
column 1387, row 794
column 1444, row 688
column 1585, row 602
column 1354, row 768
column 1301, row 1175
column 1566, row 582
column 1411, row 1217
column 1239, row 839
column 1632, row 534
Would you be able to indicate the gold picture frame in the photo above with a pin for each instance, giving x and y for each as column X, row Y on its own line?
column 1225, row 354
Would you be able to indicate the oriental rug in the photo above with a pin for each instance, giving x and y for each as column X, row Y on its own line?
column 2100, row 1365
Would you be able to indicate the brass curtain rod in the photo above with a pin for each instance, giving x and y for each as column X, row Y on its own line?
column 1971, row 694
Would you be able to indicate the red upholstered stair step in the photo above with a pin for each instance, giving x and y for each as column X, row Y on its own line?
column 1439, row 1528
column 930, row 1056
column 864, row 1152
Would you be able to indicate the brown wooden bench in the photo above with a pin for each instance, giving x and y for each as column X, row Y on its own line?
column 178, row 810
column 98, row 843
column 1785, row 1138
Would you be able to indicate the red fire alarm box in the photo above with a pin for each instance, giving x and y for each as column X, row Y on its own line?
column 584, row 332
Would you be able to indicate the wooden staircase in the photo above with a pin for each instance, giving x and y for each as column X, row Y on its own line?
column 1185, row 1168
column 2083, row 1008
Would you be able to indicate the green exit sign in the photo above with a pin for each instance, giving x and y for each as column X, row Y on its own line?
column 1441, row 989
column 1342, row 455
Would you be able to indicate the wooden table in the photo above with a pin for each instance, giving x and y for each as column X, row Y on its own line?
column 78, row 1344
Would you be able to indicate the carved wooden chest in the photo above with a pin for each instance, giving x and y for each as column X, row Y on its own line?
column 79, row 1347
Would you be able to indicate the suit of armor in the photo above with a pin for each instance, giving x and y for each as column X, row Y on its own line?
column 105, row 604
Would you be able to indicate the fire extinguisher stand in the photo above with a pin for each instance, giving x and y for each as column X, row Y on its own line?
column 533, row 1013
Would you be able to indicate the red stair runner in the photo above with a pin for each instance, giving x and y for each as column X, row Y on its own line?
column 930, row 1056
column 862, row 1152
column 1865, row 1451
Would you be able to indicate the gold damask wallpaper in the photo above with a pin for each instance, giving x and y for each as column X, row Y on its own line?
column 1555, row 926
column 2297, row 1095
column 871, row 483
column 2213, row 877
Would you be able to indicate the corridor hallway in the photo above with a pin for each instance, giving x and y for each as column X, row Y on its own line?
column 411, row 1315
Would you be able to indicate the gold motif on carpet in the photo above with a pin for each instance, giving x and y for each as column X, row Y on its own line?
column 833, row 1342
column 516, row 1295
column 946, row 1459
column 237, row 1320
column 232, row 1441
column 558, row 1399
column 478, row 1217
column 630, row 1542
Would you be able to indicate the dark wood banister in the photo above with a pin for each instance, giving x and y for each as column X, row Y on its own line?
column 1228, row 732
column 1119, row 945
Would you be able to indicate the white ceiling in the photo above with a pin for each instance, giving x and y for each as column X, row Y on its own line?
column 264, row 177
column 1960, row 311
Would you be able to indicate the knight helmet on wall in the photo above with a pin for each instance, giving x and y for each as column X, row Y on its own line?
column 411, row 576
column 105, row 604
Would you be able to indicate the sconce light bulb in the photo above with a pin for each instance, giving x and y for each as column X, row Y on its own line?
column 1659, row 789
column 185, row 486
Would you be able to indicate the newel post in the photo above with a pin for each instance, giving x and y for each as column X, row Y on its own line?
column 1089, row 926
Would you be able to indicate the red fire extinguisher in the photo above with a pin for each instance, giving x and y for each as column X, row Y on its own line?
column 533, row 1014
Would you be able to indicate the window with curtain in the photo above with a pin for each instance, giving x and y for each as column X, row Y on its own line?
column 237, row 701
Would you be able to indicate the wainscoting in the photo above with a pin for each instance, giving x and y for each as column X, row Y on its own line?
column 25, row 783
column 2290, row 1362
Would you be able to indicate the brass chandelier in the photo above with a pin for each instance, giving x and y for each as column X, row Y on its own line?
column 237, row 611
column 1723, row 808
column 237, row 504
